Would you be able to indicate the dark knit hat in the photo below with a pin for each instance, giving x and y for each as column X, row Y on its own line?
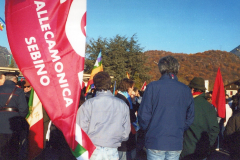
column 197, row 83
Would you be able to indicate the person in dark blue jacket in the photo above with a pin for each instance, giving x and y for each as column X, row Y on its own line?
column 166, row 111
column 12, row 118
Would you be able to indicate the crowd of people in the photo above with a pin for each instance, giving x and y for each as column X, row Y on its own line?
column 169, row 120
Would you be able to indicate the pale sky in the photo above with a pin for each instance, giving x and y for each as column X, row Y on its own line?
column 186, row 26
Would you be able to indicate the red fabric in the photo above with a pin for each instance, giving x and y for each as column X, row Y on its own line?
column 35, row 139
column 144, row 86
column 87, row 143
column 218, row 95
column 46, row 57
column 196, row 93
column 133, row 129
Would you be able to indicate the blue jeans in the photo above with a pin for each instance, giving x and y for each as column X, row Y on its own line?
column 162, row 155
column 105, row 153
column 127, row 155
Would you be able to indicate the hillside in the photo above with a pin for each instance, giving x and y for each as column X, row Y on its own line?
column 3, row 56
column 236, row 51
column 203, row 65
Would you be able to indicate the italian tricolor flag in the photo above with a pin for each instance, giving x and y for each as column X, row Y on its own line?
column 85, row 147
column 35, row 120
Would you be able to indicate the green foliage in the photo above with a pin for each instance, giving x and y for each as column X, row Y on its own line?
column 119, row 55
column 12, row 65
column 4, row 53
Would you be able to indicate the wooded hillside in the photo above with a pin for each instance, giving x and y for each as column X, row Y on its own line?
column 203, row 65
column 141, row 66
column 3, row 57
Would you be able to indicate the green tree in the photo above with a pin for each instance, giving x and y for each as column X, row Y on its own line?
column 119, row 55
column 12, row 64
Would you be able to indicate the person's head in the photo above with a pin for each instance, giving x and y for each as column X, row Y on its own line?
column 226, row 96
column 135, row 89
column 102, row 81
column 26, row 86
column 82, row 96
column 141, row 93
column 235, row 102
column 126, row 85
column 2, row 78
column 197, row 84
column 133, row 94
column 208, row 97
column 11, row 76
column 19, row 84
column 168, row 64
column 93, row 91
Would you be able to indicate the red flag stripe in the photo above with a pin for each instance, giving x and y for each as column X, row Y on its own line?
column 36, row 139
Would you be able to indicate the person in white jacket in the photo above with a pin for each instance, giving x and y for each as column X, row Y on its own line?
column 105, row 119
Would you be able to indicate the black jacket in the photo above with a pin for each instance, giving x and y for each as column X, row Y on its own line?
column 232, row 135
column 7, row 122
column 130, row 144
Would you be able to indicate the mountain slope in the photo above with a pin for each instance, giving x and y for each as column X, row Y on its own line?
column 203, row 65
column 3, row 57
column 236, row 51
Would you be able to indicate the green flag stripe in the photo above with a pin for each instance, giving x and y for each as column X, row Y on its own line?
column 99, row 64
column 30, row 103
column 78, row 151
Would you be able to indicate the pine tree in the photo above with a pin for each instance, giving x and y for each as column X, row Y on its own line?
column 12, row 64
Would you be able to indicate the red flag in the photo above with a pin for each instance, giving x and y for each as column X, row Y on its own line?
column 144, row 86
column 47, row 39
column 218, row 95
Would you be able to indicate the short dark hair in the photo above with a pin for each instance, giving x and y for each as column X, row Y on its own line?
column 102, row 81
column 135, row 89
column 208, row 96
column 168, row 64
column 125, row 84
column 198, row 90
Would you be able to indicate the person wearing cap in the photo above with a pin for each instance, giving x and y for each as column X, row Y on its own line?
column 13, row 109
column 202, row 134
column 2, row 78
column 165, row 112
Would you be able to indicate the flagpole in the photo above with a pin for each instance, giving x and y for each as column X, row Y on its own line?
column 2, row 20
